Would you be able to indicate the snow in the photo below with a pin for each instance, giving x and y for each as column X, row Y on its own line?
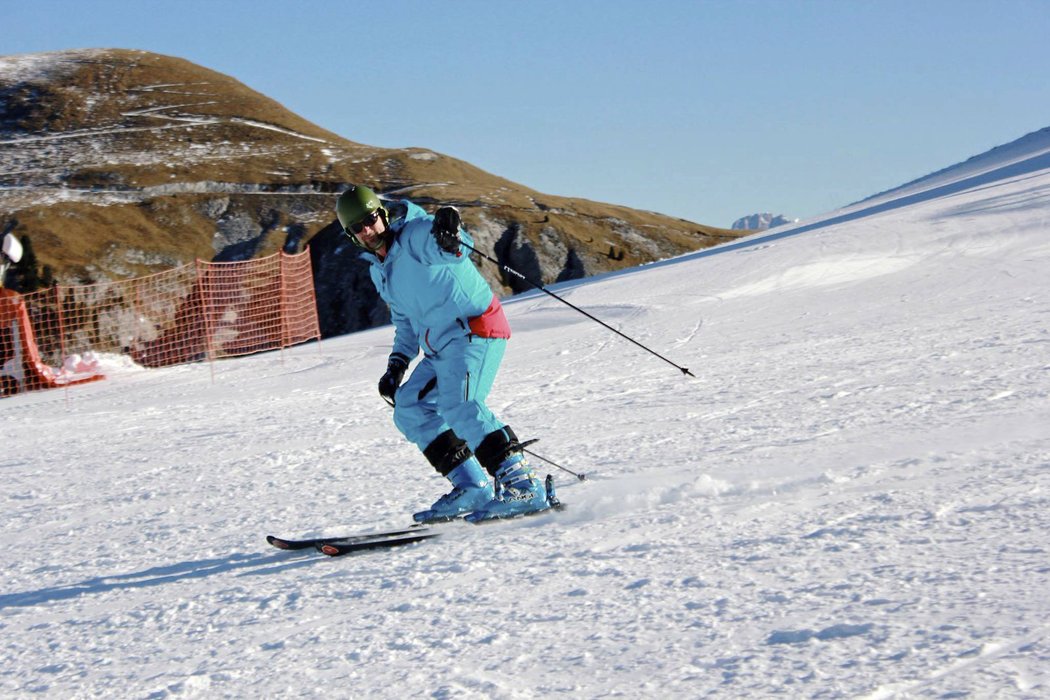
column 851, row 500
column 34, row 67
column 272, row 127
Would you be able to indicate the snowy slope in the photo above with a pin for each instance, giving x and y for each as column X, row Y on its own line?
column 851, row 500
column 1025, row 155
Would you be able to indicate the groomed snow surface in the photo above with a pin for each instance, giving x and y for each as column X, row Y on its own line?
column 851, row 499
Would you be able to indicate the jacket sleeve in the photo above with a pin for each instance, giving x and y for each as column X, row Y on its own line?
column 406, row 340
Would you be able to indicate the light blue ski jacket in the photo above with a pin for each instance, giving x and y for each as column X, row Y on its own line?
column 432, row 294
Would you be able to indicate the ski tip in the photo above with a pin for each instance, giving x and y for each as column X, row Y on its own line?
column 277, row 542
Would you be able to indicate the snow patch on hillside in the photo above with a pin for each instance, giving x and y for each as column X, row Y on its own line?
column 35, row 67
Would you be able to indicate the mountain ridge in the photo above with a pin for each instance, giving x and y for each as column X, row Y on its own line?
column 119, row 163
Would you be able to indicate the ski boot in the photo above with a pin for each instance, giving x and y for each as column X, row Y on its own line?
column 471, row 489
column 518, row 491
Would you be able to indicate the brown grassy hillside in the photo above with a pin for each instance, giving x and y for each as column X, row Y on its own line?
column 120, row 163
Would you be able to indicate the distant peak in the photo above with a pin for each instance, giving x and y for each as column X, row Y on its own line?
column 760, row 222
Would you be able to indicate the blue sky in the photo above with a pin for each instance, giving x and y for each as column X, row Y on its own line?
column 704, row 110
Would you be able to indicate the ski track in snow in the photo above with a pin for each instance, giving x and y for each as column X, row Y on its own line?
column 850, row 500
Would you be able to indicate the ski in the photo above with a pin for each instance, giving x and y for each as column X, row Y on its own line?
column 338, row 549
column 339, row 546
column 313, row 542
column 388, row 539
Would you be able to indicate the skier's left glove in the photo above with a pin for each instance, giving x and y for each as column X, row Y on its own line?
column 446, row 229
column 395, row 372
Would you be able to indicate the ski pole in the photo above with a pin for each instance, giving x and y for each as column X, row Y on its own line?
column 537, row 285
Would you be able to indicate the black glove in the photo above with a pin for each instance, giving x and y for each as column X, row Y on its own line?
column 446, row 229
column 395, row 372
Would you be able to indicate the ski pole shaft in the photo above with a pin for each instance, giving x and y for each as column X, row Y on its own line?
column 511, row 271
column 581, row 477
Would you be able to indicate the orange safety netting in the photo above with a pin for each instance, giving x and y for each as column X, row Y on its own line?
column 191, row 313
column 21, row 366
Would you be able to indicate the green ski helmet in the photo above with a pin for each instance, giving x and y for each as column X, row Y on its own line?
column 355, row 205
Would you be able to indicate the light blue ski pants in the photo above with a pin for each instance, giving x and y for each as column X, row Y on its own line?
column 448, row 390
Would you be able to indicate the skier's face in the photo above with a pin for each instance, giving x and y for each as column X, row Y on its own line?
column 370, row 236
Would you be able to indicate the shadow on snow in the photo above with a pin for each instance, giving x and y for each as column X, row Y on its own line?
column 246, row 564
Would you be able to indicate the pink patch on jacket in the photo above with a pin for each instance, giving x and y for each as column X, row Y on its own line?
column 492, row 323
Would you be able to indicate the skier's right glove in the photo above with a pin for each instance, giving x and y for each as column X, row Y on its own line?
column 395, row 372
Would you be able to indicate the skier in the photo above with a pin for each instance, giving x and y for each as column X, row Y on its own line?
column 440, row 304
